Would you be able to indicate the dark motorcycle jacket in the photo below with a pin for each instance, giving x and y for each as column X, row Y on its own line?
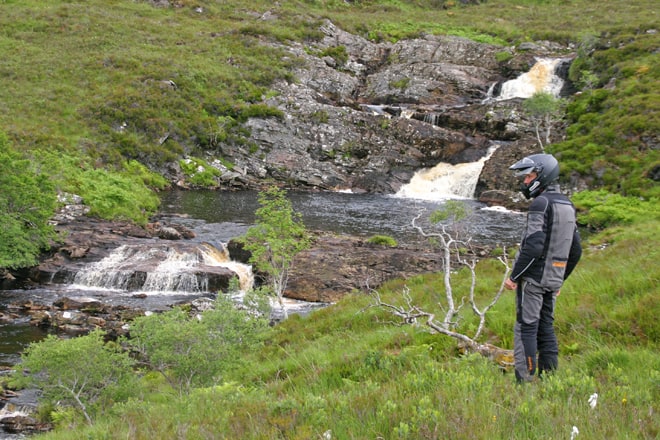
column 550, row 247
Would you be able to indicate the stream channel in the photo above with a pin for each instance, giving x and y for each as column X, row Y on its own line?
column 217, row 217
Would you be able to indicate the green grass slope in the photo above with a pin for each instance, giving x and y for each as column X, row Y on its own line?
column 350, row 370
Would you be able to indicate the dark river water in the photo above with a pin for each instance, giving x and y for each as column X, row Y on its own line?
column 224, row 215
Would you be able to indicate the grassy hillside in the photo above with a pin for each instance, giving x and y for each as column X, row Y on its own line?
column 107, row 83
column 350, row 370
column 102, row 93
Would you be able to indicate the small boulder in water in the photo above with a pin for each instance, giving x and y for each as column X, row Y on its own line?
column 168, row 233
column 79, row 303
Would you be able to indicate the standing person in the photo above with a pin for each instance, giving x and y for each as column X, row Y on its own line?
column 549, row 250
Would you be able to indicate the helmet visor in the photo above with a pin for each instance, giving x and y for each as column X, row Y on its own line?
column 523, row 167
column 524, row 171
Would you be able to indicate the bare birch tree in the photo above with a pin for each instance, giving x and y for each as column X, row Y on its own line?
column 455, row 253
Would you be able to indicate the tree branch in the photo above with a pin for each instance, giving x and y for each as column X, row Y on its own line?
column 411, row 314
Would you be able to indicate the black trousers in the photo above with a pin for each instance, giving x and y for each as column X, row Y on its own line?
column 534, row 331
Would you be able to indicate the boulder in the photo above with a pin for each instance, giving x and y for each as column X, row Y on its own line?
column 337, row 265
column 23, row 424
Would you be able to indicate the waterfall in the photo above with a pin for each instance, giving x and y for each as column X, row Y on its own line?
column 540, row 78
column 214, row 257
column 445, row 181
column 159, row 269
column 8, row 411
column 174, row 274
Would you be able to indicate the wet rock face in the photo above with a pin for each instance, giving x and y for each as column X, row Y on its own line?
column 23, row 424
column 496, row 185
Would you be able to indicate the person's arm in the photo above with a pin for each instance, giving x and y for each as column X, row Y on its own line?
column 533, row 243
column 574, row 255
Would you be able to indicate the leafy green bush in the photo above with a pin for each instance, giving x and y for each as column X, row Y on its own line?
column 601, row 209
column 588, row 102
column 83, row 372
column 142, row 173
column 111, row 194
column 382, row 240
column 196, row 351
column 503, row 57
column 116, row 196
column 27, row 202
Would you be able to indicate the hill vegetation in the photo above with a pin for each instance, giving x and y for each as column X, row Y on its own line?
column 353, row 371
column 86, row 97
column 102, row 97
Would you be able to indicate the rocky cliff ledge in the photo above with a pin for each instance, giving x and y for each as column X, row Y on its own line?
column 367, row 121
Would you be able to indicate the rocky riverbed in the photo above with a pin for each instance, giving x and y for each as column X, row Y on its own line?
column 334, row 266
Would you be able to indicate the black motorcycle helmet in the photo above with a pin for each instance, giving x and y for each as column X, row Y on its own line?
column 546, row 168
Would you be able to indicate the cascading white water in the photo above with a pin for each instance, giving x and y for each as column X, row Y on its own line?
column 214, row 257
column 174, row 274
column 540, row 78
column 445, row 181
column 110, row 271
column 167, row 269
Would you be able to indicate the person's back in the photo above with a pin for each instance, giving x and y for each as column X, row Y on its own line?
column 562, row 227
column 549, row 236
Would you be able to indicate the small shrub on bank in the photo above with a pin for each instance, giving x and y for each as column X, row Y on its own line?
column 338, row 53
column 122, row 194
column 142, row 173
column 601, row 209
column 196, row 351
column 199, row 173
column 382, row 240
column 83, row 373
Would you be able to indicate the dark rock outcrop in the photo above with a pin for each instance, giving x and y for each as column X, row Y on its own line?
column 495, row 184
column 337, row 265
column 23, row 424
